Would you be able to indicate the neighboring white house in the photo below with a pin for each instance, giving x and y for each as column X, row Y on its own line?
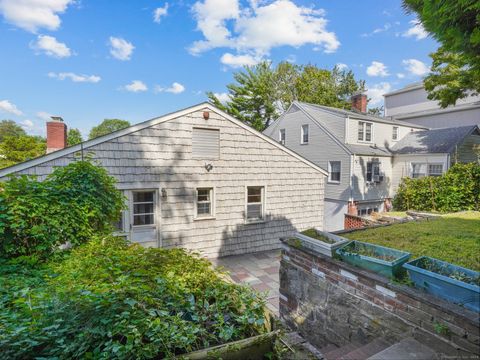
column 359, row 152
column 410, row 104
column 200, row 179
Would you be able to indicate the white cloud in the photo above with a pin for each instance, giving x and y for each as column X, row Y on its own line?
column 237, row 61
column 400, row 75
column 175, row 88
column 120, row 48
column 385, row 27
column 32, row 15
column 136, row 86
column 75, row 77
column 342, row 66
column 51, row 47
column 375, row 93
column 27, row 124
column 160, row 12
column 256, row 29
column 377, row 69
column 223, row 97
column 416, row 30
column 43, row 115
column 7, row 106
column 415, row 67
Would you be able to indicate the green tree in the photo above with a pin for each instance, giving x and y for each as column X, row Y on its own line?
column 378, row 111
column 10, row 128
column 15, row 149
column 261, row 93
column 74, row 137
column 108, row 126
column 455, row 71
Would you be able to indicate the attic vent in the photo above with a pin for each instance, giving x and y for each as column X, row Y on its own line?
column 205, row 143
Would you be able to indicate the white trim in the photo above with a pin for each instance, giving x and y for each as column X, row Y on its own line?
column 329, row 180
column 422, row 113
column 280, row 140
column 405, row 89
column 302, row 134
column 146, row 124
column 263, row 203
column 212, row 214
column 364, row 131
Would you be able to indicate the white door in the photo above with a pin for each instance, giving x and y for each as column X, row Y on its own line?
column 143, row 211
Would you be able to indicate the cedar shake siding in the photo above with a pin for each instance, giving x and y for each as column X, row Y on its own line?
column 159, row 157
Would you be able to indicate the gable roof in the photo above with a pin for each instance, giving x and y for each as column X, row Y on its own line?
column 137, row 127
column 433, row 141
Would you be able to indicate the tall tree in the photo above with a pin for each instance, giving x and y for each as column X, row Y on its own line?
column 74, row 137
column 10, row 128
column 15, row 149
column 108, row 126
column 261, row 93
column 455, row 71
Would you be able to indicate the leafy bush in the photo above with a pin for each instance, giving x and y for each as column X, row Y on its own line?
column 456, row 190
column 70, row 205
column 108, row 299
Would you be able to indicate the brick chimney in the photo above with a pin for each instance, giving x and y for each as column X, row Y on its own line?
column 359, row 102
column 56, row 134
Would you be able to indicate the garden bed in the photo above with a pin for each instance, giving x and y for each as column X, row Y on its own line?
column 321, row 241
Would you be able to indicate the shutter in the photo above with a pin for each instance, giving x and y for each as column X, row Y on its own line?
column 205, row 143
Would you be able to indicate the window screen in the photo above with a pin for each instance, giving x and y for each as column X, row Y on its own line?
column 204, row 202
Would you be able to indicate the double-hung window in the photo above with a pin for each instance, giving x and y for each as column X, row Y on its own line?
column 364, row 131
column 305, row 134
column 255, row 203
column 395, row 133
column 281, row 136
column 143, row 208
column 435, row 169
column 373, row 171
column 334, row 171
column 419, row 170
column 204, row 202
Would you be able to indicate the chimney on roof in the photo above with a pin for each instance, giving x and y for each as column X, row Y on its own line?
column 359, row 102
column 56, row 134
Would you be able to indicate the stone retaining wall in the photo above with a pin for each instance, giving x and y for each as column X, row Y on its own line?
column 328, row 301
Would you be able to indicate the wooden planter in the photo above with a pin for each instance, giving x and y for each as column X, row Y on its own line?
column 320, row 246
column 252, row 348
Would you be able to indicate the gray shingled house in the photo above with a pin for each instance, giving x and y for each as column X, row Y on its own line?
column 367, row 156
column 200, row 179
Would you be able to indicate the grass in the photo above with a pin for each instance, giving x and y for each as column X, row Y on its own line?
column 313, row 234
column 395, row 214
column 454, row 238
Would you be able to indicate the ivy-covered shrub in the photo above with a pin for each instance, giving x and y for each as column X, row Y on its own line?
column 70, row 205
column 111, row 300
column 456, row 190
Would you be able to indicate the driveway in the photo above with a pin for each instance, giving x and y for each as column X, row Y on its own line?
column 260, row 270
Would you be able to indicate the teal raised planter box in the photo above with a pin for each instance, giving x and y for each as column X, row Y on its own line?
column 447, row 281
column 381, row 260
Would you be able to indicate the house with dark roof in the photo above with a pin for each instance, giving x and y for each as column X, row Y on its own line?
column 366, row 156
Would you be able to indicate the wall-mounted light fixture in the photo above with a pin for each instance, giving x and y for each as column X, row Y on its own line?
column 208, row 167
column 164, row 193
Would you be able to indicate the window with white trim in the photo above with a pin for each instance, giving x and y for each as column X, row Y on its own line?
column 204, row 202
column 305, row 134
column 143, row 208
column 364, row 131
column 395, row 133
column 373, row 172
column 435, row 169
column 419, row 170
column 255, row 203
column 334, row 171
column 281, row 136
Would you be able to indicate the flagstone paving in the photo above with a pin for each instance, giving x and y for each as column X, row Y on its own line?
column 260, row 270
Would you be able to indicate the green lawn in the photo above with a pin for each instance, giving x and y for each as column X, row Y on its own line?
column 454, row 238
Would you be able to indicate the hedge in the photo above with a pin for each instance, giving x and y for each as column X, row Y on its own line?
column 456, row 190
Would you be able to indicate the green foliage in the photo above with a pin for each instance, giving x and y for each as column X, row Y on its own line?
column 456, row 64
column 454, row 238
column 10, row 128
column 458, row 189
column 74, row 137
column 107, row 126
column 261, row 93
column 108, row 299
column 70, row 205
column 19, row 148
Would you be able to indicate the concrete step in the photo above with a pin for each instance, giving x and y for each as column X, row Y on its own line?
column 407, row 349
column 365, row 351
column 341, row 351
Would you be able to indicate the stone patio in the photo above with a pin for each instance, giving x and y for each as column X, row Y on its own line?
column 260, row 270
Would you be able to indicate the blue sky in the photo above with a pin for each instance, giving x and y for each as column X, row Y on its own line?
column 88, row 60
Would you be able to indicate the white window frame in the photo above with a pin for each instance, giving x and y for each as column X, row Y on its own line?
column 330, row 180
column 362, row 125
column 263, row 204
column 375, row 164
column 212, row 204
column 434, row 164
column 412, row 173
column 395, row 131
column 282, row 133
column 302, row 134
column 155, row 202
